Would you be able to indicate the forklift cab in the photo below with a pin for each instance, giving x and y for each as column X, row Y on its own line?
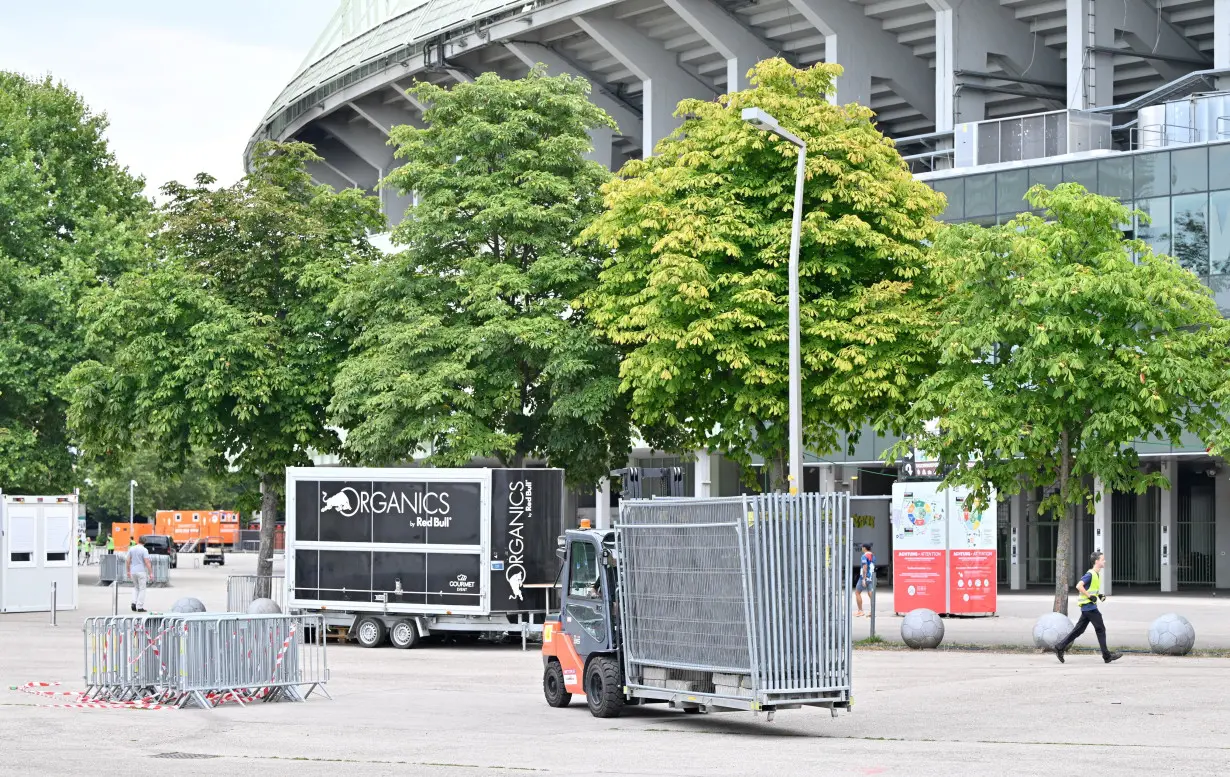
column 580, row 650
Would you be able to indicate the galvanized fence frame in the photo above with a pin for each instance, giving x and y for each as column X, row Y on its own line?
column 112, row 568
column 241, row 591
column 204, row 659
column 776, row 561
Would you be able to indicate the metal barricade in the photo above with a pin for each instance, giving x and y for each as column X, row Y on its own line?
column 205, row 659
column 242, row 590
column 744, row 597
column 113, row 567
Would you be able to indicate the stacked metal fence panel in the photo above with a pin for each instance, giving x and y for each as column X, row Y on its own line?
column 242, row 590
column 204, row 658
column 742, row 597
column 113, row 567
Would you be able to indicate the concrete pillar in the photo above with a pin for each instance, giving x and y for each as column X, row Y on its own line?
column 1221, row 48
column 1102, row 512
column 1167, row 524
column 1221, row 527
column 664, row 83
column 1091, row 74
column 602, row 505
column 1018, row 545
column 722, row 30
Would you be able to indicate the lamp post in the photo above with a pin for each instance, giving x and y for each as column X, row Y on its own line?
column 132, row 484
column 761, row 119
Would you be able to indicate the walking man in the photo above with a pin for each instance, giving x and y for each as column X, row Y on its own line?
column 866, row 578
column 1090, row 588
column 140, row 570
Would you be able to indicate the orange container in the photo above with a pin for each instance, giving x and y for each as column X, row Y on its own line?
column 184, row 525
column 121, row 534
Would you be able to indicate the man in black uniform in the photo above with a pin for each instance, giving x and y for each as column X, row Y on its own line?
column 1090, row 588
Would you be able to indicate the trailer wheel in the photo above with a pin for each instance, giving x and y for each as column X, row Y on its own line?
column 404, row 634
column 553, row 686
column 602, row 688
column 370, row 632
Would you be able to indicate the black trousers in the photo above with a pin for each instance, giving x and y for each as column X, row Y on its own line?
column 1099, row 628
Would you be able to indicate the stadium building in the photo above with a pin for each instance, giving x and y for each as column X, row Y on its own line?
column 984, row 98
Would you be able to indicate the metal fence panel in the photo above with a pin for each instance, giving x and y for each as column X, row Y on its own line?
column 204, row 658
column 741, row 597
column 242, row 590
column 113, row 567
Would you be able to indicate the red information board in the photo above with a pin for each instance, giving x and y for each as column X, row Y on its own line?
column 971, row 582
column 918, row 580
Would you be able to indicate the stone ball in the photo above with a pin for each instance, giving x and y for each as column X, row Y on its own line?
column 922, row 628
column 264, row 607
column 188, row 604
column 1172, row 635
column 1051, row 629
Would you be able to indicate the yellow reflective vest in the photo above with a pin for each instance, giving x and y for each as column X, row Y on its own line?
column 1092, row 590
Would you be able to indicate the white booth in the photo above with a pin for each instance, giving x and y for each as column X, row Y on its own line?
column 38, row 547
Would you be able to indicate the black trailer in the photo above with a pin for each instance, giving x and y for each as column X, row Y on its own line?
column 406, row 552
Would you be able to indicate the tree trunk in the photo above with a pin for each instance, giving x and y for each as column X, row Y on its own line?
column 264, row 560
column 777, row 471
column 1063, row 544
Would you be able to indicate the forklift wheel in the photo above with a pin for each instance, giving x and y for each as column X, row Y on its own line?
column 603, row 691
column 553, row 686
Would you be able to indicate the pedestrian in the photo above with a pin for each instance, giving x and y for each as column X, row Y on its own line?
column 83, row 550
column 140, row 570
column 1090, row 588
column 866, row 578
column 110, row 544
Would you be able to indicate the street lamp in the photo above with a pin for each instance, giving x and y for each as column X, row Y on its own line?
column 762, row 120
column 132, row 484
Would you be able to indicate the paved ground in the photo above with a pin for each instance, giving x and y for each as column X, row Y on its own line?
column 450, row 710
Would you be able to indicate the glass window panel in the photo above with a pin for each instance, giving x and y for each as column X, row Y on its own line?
column 1115, row 178
column 1152, row 173
column 1034, row 142
column 1219, row 163
column 1189, row 170
column 954, row 190
column 1190, row 232
column 1219, row 233
column 1084, row 173
column 1012, row 185
column 1050, row 176
column 1010, row 139
column 988, row 143
column 1220, row 285
column 584, row 578
column 980, row 195
column 1155, row 231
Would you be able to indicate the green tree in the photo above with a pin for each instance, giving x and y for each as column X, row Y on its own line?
column 222, row 346
column 70, row 219
column 1057, row 351
column 468, row 342
column 697, row 287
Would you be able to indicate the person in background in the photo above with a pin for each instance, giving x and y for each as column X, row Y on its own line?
column 110, row 544
column 866, row 578
column 1090, row 588
column 140, row 570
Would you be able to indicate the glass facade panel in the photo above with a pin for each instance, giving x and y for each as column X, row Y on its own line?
column 1156, row 229
column 1219, row 163
column 1219, row 232
column 954, row 190
column 1084, row 173
column 1115, row 178
column 1220, row 284
column 988, row 143
column 1152, row 174
column 1049, row 176
column 980, row 195
column 1012, row 185
column 1190, row 232
column 1189, row 170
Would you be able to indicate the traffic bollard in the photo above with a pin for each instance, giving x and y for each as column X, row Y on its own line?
column 873, row 610
column 53, row 604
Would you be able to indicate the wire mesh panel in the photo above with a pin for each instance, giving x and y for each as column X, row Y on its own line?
column 741, row 597
column 1196, row 536
column 683, row 580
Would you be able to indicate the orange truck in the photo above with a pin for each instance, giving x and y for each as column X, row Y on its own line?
column 121, row 533
column 184, row 525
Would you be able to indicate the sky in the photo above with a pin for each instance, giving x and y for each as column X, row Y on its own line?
column 184, row 83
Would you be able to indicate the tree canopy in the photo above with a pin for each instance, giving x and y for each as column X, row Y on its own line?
column 695, row 288
column 1058, row 349
column 71, row 219
column 221, row 345
column 469, row 341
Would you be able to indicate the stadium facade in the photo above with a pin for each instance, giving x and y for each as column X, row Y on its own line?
column 983, row 97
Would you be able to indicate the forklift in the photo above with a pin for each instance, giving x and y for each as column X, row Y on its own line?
column 582, row 648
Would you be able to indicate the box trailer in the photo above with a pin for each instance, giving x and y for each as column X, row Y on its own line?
column 38, row 548
column 404, row 552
